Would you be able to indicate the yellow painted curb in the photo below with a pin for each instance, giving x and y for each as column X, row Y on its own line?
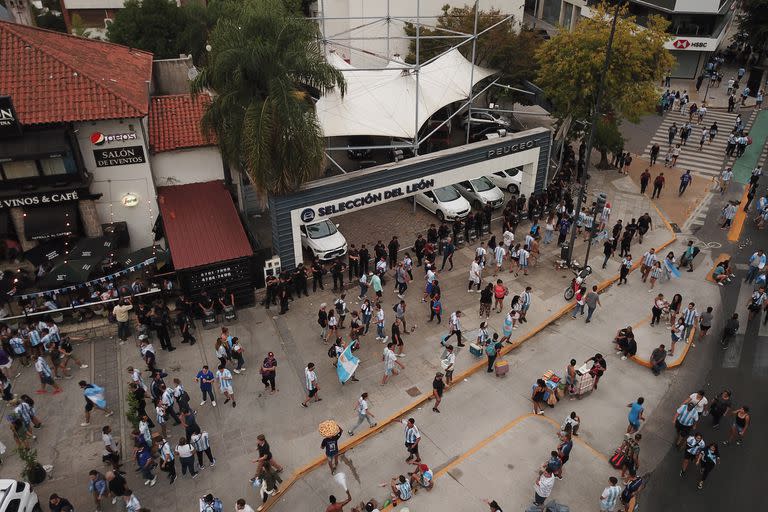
column 734, row 233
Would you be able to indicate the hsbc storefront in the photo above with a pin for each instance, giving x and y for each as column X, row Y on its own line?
column 71, row 179
column 691, row 54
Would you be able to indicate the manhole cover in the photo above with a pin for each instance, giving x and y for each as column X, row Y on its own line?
column 414, row 391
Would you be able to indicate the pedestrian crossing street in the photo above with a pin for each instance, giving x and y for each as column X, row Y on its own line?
column 709, row 161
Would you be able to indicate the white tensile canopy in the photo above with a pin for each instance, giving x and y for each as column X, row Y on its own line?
column 383, row 102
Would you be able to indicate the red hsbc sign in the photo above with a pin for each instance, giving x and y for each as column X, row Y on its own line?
column 681, row 44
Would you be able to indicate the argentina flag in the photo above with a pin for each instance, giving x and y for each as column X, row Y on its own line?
column 95, row 394
column 346, row 365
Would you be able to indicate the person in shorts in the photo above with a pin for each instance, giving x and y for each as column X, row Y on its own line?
column 686, row 417
column 331, row 446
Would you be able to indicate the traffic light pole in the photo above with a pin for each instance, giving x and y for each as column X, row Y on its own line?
column 592, row 129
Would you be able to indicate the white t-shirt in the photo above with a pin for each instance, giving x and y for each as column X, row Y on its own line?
column 362, row 406
column 699, row 404
column 109, row 442
column 544, row 486
column 380, row 317
column 246, row 508
column 389, row 358
column 508, row 238
column 185, row 450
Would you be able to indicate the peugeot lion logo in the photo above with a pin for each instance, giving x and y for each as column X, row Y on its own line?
column 307, row 215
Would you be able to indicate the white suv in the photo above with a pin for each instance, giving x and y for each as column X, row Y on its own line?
column 445, row 202
column 324, row 240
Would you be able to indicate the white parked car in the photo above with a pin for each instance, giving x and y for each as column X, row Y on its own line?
column 510, row 179
column 18, row 496
column 445, row 202
column 324, row 240
column 480, row 191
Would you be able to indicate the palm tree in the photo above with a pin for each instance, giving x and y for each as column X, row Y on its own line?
column 264, row 66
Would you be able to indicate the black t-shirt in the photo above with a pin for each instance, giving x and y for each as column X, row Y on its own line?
column 264, row 450
column 331, row 445
column 117, row 485
column 63, row 506
column 438, row 385
column 644, row 222
column 486, row 296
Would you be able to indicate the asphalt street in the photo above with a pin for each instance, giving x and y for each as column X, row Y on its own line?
column 743, row 369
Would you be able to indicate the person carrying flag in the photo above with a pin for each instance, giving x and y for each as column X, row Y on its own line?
column 94, row 397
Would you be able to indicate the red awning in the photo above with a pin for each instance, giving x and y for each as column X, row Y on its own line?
column 201, row 224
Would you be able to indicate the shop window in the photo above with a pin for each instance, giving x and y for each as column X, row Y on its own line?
column 20, row 169
column 58, row 165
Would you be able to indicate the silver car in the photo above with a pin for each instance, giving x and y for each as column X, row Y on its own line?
column 480, row 191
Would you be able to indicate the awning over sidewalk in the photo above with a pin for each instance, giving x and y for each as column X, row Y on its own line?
column 201, row 224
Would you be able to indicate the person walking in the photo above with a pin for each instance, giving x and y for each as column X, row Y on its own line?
column 363, row 414
column 720, row 407
column 487, row 296
column 525, row 303
column 635, row 415
column 265, row 457
column 741, row 420
column 448, row 363
column 685, row 417
column 475, row 274
column 186, row 453
column 756, row 264
column 454, row 327
column 390, row 361
column 269, row 372
column 625, row 269
column 693, row 446
column 380, row 324
column 438, row 386
column 46, row 377
column 206, row 378
column 685, row 180
column 543, row 487
column 500, row 291
column 658, row 184
column 310, row 385
column 202, row 443
column 645, row 177
column 728, row 214
column 94, row 398
column 690, row 316
column 649, row 259
column 610, row 496
column 707, row 460
column 224, row 377
column 412, row 439
column 537, row 396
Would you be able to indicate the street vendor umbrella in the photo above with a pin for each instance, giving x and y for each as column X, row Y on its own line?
column 89, row 248
column 48, row 251
column 68, row 273
column 329, row 428
column 145, row 254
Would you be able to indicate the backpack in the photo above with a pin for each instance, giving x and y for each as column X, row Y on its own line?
column 332, row 351
column 339, row 305
column 394, row 308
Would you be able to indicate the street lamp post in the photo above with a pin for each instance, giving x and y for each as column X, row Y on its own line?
column 593, row 127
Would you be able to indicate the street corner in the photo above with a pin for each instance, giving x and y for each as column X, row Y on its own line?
column 504, row 467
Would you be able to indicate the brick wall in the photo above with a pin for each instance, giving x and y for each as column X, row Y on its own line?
column 90, row 218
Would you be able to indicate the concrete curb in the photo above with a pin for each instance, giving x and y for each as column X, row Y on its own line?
column 318, row 462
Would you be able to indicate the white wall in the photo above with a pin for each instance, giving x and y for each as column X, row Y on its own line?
column 114, row 182
column 184, row 166
column 397, row 8
column 700, row 6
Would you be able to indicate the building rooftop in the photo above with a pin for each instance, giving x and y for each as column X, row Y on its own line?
column 201, row 224
column 174, row 122
column 54, row 77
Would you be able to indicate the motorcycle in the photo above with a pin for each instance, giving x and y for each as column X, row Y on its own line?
column 576, row 283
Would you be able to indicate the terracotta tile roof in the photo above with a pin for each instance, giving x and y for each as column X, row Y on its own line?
column 54, row 77
column 174, row 122
column 201, row 224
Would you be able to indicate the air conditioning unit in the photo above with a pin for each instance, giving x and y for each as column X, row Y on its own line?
column 107, row 22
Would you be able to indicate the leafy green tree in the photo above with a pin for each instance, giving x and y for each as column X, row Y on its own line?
column 607, row 139
column 161, row 27
column 502, row 48
column 753, row 21
column 571, row 64
column 264, row 68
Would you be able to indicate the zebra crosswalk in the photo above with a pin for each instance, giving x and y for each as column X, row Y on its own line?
column 708, row 161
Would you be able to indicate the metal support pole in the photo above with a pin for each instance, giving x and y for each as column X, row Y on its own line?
column 535, row 13
column 389, row 22
column 472, row 72
column 322, row 27
column 592, row 235
column 417, row 70
column 593, row 125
